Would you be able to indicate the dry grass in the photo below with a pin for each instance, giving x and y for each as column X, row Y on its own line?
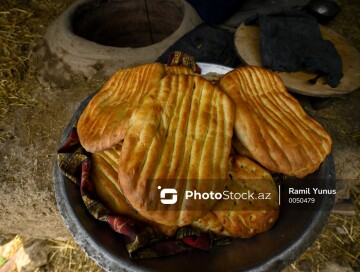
column 68, row 256
column 339, row 242
column 22, row 23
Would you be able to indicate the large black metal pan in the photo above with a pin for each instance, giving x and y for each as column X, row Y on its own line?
column 296, row 229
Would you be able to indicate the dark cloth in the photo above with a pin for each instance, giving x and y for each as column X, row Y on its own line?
column 292, row 41
column 215, row 11
column 206, row 44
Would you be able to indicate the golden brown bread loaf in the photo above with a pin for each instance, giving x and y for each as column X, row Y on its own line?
column 104, row 176
column 179, row 70
column 104, row 121
column 180, row 132
column 244, row 217
column 177, row 130
column 271, row 124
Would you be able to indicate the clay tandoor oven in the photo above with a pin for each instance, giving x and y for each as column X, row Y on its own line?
column 94, row 36
column 135, row 23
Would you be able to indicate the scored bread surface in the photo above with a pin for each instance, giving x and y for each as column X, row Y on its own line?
column 181, row 132
column 105, row 119
column 104, row 176
column 271, row 124
column 179, row 70
column 244, row 217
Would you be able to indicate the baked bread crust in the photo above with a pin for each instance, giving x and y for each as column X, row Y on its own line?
column 152, row 126
column 104, row 176
column 244, row 218
column 272, row 125
column 105, row 119
column 179, row 70
column 181, row 132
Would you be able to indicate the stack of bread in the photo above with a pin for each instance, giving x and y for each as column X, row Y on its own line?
column 154, row 123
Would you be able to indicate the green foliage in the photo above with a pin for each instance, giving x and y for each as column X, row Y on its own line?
column 2, row 261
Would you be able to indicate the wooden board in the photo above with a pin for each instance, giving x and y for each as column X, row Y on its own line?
column 247, row 43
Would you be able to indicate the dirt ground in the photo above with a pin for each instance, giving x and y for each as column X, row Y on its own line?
column 33, row 116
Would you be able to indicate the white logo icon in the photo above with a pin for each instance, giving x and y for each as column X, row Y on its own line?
column 168, row 191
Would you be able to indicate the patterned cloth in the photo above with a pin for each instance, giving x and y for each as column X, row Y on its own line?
column 141, row 240
column 178, row 58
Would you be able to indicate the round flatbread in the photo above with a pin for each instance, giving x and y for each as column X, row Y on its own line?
column 271, row 124
column 105, row 119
